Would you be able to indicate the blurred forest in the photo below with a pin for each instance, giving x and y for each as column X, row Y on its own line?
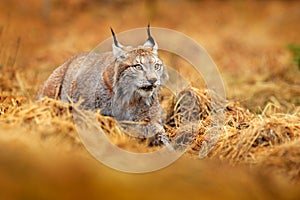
column 256, row 46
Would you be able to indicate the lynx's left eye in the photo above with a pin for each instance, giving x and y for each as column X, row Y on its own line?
column 157, row 67
column 137, row 67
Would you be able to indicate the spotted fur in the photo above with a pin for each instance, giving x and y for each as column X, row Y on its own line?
column 124, row 84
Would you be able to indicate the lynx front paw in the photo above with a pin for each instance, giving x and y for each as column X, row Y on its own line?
column 159, row 139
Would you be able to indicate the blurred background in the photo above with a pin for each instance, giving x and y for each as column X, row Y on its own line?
column 255, row 44
column 248, row 40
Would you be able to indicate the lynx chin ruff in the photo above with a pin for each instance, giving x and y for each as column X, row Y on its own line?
column 123, row 83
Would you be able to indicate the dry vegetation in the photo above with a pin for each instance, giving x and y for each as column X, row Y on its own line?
column 257, row 156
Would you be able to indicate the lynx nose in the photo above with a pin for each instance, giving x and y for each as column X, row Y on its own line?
column 152, row 80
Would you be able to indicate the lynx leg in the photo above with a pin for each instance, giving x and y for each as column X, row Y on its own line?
column 161, row 139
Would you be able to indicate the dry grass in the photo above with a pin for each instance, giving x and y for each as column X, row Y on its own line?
column 256, row 155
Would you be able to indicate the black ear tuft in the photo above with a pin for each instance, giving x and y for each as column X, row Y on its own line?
column 114, row 36
column 150, row 38
column 117, row 48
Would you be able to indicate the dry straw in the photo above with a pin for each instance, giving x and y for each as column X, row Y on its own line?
column 245, row 137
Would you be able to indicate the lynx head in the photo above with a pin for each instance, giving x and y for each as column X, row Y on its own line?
column 138, row 72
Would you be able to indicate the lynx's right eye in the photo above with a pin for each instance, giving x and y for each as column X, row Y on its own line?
column 157, row 67
column 137, row 67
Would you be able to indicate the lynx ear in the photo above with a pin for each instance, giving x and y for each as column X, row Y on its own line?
column 150, row 42
column 118, row 48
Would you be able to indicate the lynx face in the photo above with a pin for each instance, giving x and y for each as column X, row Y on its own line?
column 144, row 72
column 138, row 72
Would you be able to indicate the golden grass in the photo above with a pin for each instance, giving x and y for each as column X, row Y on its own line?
column 245, row 138
column 267, row 142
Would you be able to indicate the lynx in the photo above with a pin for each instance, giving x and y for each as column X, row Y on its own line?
column 124, row 84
